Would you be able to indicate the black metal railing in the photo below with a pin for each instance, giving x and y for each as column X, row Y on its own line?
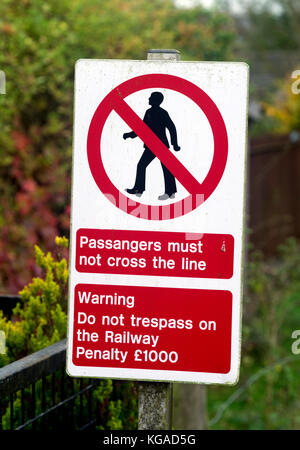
column 8, row 302
column 36, row 393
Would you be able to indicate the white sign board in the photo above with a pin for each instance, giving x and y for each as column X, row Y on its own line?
column 157, row 220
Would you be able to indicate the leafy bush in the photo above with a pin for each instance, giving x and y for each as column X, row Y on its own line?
column 41, row 320
column 285, row 107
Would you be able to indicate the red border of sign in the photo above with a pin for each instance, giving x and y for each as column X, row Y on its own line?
column 212, row 179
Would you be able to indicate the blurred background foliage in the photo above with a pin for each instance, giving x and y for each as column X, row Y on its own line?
column 268, row 38
column 267, row 395
column 40, row 42
column 39, row 45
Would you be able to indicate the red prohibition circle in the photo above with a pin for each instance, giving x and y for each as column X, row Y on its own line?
column 214, row 175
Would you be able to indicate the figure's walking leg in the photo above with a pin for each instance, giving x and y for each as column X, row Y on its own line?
column 170, row 184
column 140, row 180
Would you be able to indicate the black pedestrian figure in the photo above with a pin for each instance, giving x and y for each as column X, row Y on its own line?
column 158, row 120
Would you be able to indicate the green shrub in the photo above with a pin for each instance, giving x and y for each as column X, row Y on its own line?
column 41, row 320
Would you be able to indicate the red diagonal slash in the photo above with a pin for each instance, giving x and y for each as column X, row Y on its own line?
column 150, row 139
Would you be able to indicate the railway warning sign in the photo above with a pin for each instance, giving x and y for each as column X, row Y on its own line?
column 157, row 218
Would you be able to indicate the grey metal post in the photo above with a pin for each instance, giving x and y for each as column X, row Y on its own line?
column 164, row 54
column 2, row 82
column 155, row 399
column 155, row 406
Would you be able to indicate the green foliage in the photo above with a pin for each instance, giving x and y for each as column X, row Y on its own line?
column 40, row 320
column 271, row 25
column 269, row 383
column 39, row 45
column 284, row 109
column 269, row 40
column 115, row 409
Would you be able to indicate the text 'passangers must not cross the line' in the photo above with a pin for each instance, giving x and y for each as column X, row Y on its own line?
column 154, row 253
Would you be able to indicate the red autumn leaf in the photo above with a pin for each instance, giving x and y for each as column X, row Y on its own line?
column 21, row 140
column 24, row 202
column 29, row 185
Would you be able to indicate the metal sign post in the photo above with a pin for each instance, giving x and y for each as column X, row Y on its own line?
column 2, row 82
column 155, row 406
column 155, row 399
column 157, row 219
